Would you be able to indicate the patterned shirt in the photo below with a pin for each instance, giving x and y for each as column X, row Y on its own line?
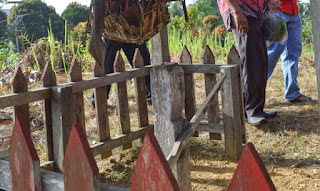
column 125, row 5
column 253, row 8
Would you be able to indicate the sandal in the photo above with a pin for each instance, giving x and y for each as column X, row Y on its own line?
column 303, row 98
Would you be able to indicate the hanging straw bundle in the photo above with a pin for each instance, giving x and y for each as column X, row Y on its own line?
column 134, row 21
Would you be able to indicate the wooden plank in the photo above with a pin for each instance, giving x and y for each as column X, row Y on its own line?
column 190, row 97
column 48, row 79
column 234, row 59
column 51, row 181
column 75, row 75
column 100, row 94
column 141, row 95
column 210, row 127
column 315, row 15
column 183, row 139
column 24, row 161
column 120, row 140
column 210, row 82
column 80, row 174
column 200, row 68
column 19, row 84
column 122, row 100
column 250, row 173
column 62, row 120
column 152, row 172
column 231, row 110
column 110, row 78
column 160, row 47
column 23, row 98
column 96, row 46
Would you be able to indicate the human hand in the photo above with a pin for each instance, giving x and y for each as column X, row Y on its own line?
column 241, row 22
column 274, row 4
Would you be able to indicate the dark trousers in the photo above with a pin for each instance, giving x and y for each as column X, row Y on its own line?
column 129, row 49
column 254, row 62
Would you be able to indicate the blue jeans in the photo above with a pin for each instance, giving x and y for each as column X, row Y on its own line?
column 290, row 52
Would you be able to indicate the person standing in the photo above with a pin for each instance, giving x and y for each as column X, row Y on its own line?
column 112, row 47
column 244, row 19
column 290, row 51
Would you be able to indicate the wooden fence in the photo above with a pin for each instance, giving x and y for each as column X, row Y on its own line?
column 64, row 105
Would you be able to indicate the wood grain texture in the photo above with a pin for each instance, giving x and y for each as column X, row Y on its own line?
column 210, row 82
column 62, row 120
column 190, row 97
column 75, row 75
column 160, row 47
column 103, row 80
column 234, row 59
column 120, row 140
column 80, row 174
column 184, row 137
column 24, row 161
column 231, row 110
column 141, row 95
column 122, row 99
column 100, row 96
column 19, row 84
column 48, row 80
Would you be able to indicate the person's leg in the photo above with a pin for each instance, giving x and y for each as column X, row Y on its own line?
column 291, row 55
column 274, row 52
column 112, row 48
column 252, row 51
column 129, row 50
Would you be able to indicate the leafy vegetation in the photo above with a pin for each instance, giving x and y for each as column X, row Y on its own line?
column 36, row 20
column 3, row 24
column 74, row 14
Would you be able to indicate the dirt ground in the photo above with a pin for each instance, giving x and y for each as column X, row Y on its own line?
column 289, row 145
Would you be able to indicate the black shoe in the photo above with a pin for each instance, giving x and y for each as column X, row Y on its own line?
column 149, row 102
column 269, row 114
column 257, row 120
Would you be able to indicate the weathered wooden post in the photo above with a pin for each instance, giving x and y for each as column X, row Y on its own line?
column 80, row 174
column 62, row 120
column 190, row 97
column 24, row 161
column 160, row 47
column 234, row 59
column 141, row 92
column 75, row 75
column 48, row 79
column 168, row 101
column 315, row 15
column 100, row 96
column 122, row 99
column 19, row 84
column 210, row 82
column 231, row 111
column 96, row 47
column 168, row 94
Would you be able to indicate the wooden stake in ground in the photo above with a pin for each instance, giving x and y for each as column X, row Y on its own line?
column 251, row 175
column 152, row 172
column 79, row 167
column 24, row 161
column 315, row 15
